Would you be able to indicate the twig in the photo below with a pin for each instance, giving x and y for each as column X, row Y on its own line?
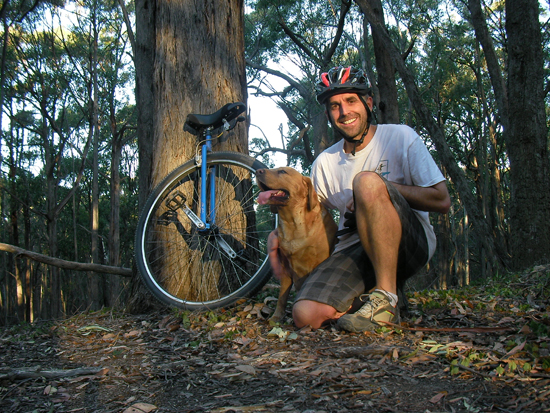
column 48, row 374
column 452, row 329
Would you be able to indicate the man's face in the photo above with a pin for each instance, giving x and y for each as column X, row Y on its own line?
column 348, row 114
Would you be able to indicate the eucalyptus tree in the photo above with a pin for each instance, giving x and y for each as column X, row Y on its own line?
column 12, row 14
column 527, row 140
column 189, row 59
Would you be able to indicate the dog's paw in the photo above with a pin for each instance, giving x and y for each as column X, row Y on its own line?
column 275, row 319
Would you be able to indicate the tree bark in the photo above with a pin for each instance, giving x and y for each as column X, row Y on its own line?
column 528, row 136
column 199, row 67
column 388, row 108
column 477, row 18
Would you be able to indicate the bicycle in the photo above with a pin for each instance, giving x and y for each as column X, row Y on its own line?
column 201, row 241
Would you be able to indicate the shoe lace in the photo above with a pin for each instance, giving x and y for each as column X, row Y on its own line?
column 368, row 309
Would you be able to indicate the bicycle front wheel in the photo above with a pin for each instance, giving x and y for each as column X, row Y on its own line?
column 193, row 268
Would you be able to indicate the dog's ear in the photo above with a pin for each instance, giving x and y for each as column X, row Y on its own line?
column 312, row 199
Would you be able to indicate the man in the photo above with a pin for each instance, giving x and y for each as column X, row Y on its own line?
column 384, row 182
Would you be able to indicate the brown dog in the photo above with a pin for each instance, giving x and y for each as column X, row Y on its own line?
column 306, row 230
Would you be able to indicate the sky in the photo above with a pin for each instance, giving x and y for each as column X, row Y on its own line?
column 268, row 117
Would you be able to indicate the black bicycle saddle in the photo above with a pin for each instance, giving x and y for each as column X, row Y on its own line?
column 196, row 123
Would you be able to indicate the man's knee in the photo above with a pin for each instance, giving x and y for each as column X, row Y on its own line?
column 368, row 184
column 313, row 313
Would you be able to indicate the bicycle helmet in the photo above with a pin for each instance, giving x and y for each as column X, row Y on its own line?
column 342, row 80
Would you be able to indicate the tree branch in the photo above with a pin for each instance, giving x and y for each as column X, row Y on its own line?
column 301, row 89
column 21, row 374
column 69, row 265
column 346, row 5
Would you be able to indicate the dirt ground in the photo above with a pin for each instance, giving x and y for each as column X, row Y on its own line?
column 475, row 350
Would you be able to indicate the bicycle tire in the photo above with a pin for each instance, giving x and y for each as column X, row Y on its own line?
column 186, row 267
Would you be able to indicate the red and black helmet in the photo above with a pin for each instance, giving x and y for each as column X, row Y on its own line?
column 342, row 80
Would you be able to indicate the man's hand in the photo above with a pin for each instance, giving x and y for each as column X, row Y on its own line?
column 349, row 217
column 273, row 254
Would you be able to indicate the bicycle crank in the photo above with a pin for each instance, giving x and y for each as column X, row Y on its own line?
column 226, row 247
column 177, row 201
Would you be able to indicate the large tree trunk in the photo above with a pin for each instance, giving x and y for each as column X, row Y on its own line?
column 388, row 109
column 189, row 59
column 199, row 67
column 528, row 136
column 478, row 21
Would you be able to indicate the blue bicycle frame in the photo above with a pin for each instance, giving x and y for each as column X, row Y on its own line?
column 207, row 217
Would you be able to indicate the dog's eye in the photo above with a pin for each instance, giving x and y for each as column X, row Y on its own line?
column 282, row 171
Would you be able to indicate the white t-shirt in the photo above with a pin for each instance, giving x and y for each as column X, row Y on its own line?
column 395, row 152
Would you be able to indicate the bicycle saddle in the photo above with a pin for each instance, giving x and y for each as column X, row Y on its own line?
column 196, row 123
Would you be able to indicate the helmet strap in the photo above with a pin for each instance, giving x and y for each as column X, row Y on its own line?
column 360, row 141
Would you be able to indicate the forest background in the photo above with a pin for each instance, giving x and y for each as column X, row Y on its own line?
column 472, row 78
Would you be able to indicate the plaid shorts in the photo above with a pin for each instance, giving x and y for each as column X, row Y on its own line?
column 348, row 273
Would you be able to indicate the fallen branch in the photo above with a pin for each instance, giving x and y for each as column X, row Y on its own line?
column 370, row 350
column 35, row 373
column 451, row 329
column 69, row 265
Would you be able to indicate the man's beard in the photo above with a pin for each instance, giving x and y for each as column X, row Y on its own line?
column 348, row 137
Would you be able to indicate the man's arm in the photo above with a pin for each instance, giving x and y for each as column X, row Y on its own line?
column 432, row 199
column 273, row 254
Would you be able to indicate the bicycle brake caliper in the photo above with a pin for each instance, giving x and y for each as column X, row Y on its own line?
column 177, row 201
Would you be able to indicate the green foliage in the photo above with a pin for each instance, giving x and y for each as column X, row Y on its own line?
column 540, row 329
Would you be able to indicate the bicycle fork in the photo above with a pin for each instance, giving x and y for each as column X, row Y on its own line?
column 206, row 222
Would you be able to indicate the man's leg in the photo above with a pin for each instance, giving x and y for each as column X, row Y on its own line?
column 332, row 287
column 313, row 313
column 379, row 228
column 379, row 232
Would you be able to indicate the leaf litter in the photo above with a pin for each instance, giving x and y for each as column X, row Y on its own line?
column 477, row 349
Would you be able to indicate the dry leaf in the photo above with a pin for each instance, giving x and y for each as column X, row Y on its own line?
column 438, row 397
column 460, row 308
column 49, row 389
column 246, row 369
column 517, row 348
column 140, row 408
column 173, row 327
column 525, row 329
column 395, row 355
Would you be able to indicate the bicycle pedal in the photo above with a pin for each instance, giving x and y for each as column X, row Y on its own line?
column 176, row 201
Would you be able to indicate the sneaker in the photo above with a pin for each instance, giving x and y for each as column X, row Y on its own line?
column 367, row 318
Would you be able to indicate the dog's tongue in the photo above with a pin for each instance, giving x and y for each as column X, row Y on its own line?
column 265, row 196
